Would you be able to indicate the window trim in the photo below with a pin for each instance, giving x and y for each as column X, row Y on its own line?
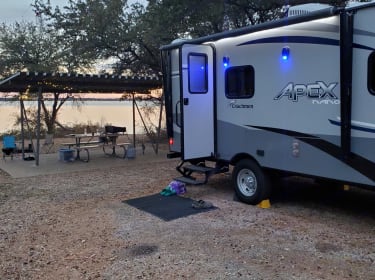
column 252, row 92
column 371, row 73
column 205, row 72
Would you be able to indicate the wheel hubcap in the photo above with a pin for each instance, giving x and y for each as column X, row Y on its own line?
column 247, row 182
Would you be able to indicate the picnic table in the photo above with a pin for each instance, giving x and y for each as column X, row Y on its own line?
column 105, row 141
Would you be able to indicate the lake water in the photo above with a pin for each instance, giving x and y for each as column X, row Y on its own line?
column 118, row 113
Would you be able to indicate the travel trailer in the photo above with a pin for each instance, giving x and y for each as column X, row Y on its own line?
column 293, row 96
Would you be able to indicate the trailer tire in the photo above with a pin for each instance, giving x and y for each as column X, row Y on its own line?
column 250, row 182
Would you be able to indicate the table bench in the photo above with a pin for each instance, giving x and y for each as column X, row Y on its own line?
column 86, row 148
column 124, row 146
column 73, row 144
column 69, row 145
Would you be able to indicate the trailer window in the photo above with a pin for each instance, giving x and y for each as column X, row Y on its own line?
column 371, row 73
column 239, row 82
column 197, row 73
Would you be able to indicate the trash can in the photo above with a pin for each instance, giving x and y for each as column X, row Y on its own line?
column 66, row 155
column 130, row 153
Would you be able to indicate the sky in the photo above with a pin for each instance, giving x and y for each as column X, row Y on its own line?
column 21, row 10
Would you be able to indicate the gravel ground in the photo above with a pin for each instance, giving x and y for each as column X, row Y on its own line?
column 77, row 227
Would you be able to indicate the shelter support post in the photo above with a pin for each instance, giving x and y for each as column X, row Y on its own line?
column 159, row 125
column 22, row 126
column 133, row 120
column 38, row 128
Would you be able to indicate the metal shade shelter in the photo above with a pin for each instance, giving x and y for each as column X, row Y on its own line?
column 40, row 83
column 77, row 83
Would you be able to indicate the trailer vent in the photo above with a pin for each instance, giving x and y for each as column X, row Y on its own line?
column 304, row 9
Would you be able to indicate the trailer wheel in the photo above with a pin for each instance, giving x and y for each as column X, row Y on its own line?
column 250, row 183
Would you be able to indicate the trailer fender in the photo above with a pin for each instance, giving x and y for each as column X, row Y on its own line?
column 238, row 157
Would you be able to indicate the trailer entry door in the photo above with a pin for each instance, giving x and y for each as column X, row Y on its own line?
column 197, row 101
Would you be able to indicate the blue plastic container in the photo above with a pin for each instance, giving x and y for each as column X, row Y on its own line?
column 130, row 153
column 66, row 155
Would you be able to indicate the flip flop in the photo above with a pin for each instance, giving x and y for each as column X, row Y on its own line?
column 201, row 204
column 167, row 192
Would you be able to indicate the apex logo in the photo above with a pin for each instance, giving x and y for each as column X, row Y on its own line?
column 318, row 90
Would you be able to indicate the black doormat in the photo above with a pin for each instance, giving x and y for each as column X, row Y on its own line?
column 166, row 208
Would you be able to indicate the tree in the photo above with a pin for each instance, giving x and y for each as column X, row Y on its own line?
column 23, row 47
column 100, row 29
column 27, row 47
column 131, row 35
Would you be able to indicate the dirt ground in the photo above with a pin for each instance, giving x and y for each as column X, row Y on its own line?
column 75, row 226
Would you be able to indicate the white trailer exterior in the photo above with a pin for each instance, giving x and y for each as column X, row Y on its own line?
column 293, row 96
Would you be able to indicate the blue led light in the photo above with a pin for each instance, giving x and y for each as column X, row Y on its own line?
column 285, row 53
column 226, row 61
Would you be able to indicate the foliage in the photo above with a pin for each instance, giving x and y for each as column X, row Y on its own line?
column 26, row 46
column 131, row 35
column 100, row 29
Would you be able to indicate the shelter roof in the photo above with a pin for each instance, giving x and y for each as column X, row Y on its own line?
column 76, row 83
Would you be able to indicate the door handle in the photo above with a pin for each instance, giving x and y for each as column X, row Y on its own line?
column 178, row 114
column 186, row 101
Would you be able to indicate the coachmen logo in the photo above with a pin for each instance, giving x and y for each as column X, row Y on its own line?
column 241, row 106
column 318, row 91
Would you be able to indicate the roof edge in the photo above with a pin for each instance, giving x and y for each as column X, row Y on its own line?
column 259, row 27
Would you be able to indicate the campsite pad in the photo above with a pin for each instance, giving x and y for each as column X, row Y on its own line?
column 166, row 208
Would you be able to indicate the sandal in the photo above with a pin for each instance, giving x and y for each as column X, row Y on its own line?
column 201, row 204
column 167, row 192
